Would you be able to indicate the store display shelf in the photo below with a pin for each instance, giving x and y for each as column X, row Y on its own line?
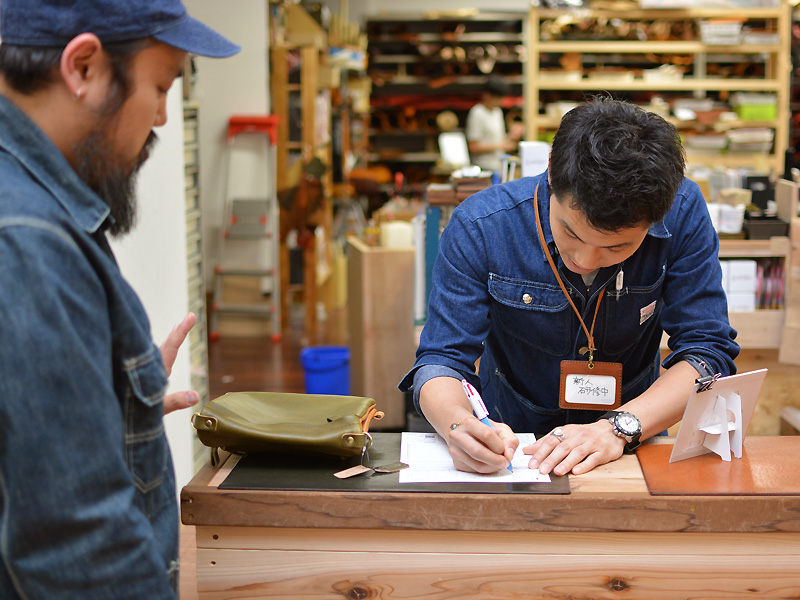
column 669, row 46
column 680, row 85
column 668, row 14
column 462, row 79
column 546, row 122
column 405, row 157
column 390, row 59
column 477, row 37
column 778, row 246
column 736, row 159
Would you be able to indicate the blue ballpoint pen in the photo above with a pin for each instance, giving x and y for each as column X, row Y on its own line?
column 478, row 407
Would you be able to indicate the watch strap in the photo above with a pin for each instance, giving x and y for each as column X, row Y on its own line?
column 630, row 447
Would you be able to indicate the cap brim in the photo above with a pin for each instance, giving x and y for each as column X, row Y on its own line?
column 192, row 36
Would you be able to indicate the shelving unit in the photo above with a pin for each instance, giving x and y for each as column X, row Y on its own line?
column 198, row 336
column 761, row 328
column 304, row 149
column 711, row 70
column 421, row 67
column 548, row 81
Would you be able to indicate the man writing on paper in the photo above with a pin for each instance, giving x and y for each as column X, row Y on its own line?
column 87, row 491
column 563, row 285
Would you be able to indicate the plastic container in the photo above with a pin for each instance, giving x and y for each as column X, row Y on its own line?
column 326, row 369
column 755, row 106
column 721, row 32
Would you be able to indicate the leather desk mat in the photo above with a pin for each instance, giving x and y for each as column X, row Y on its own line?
column 281, row 472
column 769, row 465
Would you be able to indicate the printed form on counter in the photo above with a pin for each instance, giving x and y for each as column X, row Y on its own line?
column 429, row 461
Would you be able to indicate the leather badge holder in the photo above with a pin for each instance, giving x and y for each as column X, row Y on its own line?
column 598, row 388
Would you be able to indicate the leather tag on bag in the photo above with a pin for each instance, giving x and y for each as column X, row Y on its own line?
column 584, row 388
column 352, row 472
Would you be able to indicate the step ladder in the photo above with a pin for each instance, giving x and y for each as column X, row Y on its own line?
column 249, row 220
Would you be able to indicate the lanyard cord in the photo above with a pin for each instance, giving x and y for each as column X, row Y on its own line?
column 589, row 333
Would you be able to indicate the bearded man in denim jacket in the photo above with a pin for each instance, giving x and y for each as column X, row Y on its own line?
column 88, row 506
column 620, row 222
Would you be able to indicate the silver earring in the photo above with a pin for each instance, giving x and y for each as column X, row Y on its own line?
column 78, row 94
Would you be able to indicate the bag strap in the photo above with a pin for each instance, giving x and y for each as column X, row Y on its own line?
column 372, row 413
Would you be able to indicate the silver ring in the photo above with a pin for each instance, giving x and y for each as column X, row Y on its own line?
column 558, row 433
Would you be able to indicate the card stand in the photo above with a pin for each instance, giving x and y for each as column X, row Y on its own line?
column 717, row 416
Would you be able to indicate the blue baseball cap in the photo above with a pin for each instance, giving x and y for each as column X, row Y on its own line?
column 56, row 22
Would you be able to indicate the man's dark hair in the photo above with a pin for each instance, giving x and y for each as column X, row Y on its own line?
column 497, row 86
column 617, row 163
column 29, row 69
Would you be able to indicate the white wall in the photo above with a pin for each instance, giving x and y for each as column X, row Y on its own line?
column 153, row 260
column 236, row 85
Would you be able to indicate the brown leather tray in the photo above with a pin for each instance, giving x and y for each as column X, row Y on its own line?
column 769, row 466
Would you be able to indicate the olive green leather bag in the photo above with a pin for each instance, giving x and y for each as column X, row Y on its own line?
column 274, row 422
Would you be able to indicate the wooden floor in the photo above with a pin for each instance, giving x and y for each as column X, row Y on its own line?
column 257, row 364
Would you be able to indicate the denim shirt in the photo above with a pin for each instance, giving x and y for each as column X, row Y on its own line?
column 87, row 491
column 495, row 297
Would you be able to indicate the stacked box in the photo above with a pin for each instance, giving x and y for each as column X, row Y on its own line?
column 741, row 284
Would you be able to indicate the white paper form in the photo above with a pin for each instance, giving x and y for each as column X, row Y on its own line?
column 429, row 462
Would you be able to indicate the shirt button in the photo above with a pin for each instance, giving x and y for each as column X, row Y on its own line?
column 526, row 298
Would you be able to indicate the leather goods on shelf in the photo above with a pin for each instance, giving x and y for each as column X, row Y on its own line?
column 284, row 423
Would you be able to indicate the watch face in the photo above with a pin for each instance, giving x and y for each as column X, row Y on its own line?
column 627, row 423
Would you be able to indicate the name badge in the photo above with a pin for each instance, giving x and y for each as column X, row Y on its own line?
column 590, row 388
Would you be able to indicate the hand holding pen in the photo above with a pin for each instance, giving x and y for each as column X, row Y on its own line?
column 478, row 407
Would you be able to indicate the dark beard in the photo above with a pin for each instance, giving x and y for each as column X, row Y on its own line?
column 110, row 178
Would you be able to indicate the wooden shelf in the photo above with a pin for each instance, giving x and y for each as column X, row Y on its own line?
column 480, row 38
column 306, row 211
column 667, row 47
column 668, row 14
column 414, row 82
column 679, row 85
column 778, row 246
column 774, row 59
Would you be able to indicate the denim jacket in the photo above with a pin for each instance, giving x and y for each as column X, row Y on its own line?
column 87, row 491
column 495, row 297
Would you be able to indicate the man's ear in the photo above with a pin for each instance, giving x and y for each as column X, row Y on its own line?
column 83, row 64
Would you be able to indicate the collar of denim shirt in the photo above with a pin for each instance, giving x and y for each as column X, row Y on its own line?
column 28, row 144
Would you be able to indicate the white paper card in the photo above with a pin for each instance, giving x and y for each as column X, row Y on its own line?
column 717, row 435
column 429, row 461
column 716, row 420
column 580, row 388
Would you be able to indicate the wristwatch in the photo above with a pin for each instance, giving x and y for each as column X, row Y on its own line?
column 626, row 426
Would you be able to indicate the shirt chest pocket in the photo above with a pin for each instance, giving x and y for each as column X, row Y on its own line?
column 630, row 313
column 146, row 450
column 536, row 314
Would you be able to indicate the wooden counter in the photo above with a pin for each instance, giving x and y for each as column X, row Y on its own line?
column 608, row 539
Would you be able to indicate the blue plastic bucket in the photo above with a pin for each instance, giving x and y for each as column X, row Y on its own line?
column 326, row 369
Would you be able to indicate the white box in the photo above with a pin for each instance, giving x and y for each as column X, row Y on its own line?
column 725, row 274
column 534, row 157
column 742, row 276
column 741, row 301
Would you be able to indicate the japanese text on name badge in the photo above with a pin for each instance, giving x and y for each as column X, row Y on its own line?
column 590, row 389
